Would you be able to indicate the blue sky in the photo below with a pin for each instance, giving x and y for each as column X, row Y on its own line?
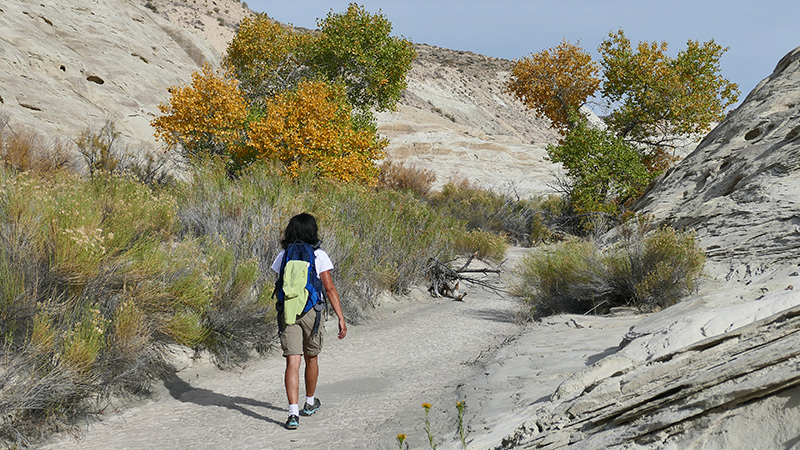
column 759, row 33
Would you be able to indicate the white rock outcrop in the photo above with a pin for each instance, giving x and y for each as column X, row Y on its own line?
column 456, row 120
column 69, row 65
column 740, row 189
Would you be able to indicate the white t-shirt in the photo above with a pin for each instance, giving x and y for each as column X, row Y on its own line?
column 322, row 261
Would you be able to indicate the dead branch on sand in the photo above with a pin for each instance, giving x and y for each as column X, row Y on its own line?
column 445, row 280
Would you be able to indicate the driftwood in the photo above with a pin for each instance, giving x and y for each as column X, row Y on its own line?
column 445, row 281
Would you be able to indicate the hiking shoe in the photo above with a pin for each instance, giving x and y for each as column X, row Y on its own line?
column 309, row 409
column 293, row 422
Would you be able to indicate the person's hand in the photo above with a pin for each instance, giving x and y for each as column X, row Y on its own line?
column 342, row 328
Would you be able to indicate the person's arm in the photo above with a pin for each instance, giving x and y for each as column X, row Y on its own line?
column 333, row 297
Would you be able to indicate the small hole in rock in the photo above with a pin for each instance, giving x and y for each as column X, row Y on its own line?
column 63, row 69
column 95, row 79
column 752, row 134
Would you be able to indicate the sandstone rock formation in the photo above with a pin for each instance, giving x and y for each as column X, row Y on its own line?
column 740, row 189
column 720, row 370
column 214, row 20
column 69, row 65
column 455, row 119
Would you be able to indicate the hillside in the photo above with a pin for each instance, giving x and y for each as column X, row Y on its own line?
column 68, row 67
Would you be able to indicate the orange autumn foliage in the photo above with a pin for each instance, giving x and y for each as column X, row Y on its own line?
column 206, row 117
column 312, row 127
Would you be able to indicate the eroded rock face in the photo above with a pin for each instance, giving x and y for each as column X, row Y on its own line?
column 69, row 65
column 740, row 188
column 718, row 370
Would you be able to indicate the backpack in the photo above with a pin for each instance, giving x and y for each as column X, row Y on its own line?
column 298, row 284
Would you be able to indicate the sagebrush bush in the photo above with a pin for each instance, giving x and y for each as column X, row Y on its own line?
column 24, row 150
column 647, row 271
column 482, row 244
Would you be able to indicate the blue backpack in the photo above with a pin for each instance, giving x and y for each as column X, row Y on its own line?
column 299, row 280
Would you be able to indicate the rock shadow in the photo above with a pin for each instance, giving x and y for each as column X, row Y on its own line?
column 185, row 392
column 598, row 356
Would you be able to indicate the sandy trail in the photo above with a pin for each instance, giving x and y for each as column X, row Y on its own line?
column 373, row 383
column 414, row 350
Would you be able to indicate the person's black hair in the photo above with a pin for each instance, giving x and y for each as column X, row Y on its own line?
column 301, row 228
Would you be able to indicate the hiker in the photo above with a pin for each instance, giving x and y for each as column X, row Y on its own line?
column 299, row 309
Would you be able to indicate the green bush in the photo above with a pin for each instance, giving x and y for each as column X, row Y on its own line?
column 647, row 271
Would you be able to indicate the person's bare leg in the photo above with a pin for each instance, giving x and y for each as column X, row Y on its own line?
column 311, row 375
column 292, row 378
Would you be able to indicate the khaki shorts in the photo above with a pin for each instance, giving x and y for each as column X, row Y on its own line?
column 296, row 338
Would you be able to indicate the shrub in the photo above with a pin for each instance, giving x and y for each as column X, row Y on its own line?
column 482, row 244
column 23, row 150
column 648, row 271
column 401, row 176
column 525, row 222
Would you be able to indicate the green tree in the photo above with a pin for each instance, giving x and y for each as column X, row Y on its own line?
column 355, row 48
column 296, row 97
column 268, row 57
column 661, row 97
column 606, row 171
column 654, row 100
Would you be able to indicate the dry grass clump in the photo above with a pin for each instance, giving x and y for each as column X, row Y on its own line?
column 23, row 150
column 650, row 271
column 401, row 176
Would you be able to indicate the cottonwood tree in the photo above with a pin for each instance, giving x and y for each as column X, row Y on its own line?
column 311, row 126
column 655, row 99
column 303, row 98
column 355, row 49
column 606, row 171
column 660, row 97
column 268, row 57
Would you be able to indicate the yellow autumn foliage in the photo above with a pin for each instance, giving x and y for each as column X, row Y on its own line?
column 311, row 126
column 555, row 82
column 206, row 117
